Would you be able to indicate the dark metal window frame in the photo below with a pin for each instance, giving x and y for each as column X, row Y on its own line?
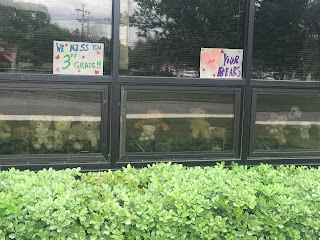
column 280, row 155
column 37, row 161
column 232, row 155
column 111, row 86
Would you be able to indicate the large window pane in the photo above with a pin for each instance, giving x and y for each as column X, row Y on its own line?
column 287, row 121
column 40, row 122
column 28, row 29
column 287, row 40
column 176, row 122
column 164, row 38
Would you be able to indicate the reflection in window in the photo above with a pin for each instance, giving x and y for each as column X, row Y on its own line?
column 28, row 29
column 287, row 40
column 287, row 121
column 176, row 122
column 164, row 38
column 38, row 122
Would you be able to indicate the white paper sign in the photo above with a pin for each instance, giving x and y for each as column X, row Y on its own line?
column 221, row 63
column 77, row 58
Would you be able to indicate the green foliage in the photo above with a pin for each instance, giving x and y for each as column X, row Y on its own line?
column 162, row 201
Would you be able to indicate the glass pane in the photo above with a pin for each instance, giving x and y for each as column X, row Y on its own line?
column 175, row 122
column 28, row 29
column 287, row 40
column 164, row 38
column 41, row 122
column 287, row 121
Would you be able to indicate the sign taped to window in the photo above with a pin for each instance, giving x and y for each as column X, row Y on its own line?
column 221, row 63
column 78, row 58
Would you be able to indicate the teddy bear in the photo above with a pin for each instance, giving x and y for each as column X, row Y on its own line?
column 24, row 135
column 304, row 130
column 294, row 113
column 79, row 134
column 41, row 136
column 154, row 119
column 61, row 133
column 5, row 130
column 147, row 132
column 92, row 131
column 34, row 122
column 198, row 125
column 276, row 127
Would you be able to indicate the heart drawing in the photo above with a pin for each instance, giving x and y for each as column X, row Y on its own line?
column 211, row 59
column 57, row 57
column 98, row 52
column 83, row 56
column 79, row 70
column 96, row 72
column 58, row 69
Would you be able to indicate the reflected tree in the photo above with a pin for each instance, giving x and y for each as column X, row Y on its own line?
column 286, row 37
column 30, row 34
column 177, row 30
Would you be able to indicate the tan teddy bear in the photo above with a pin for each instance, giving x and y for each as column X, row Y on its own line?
column 5, row 130
column 24, row 135
column 92, row 130
column 198, row 125
column 153, row 120
column 61, row 133
column 79, row 134
column 276, row 127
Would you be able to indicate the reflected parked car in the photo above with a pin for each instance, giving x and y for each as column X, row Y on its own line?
column 191, row 74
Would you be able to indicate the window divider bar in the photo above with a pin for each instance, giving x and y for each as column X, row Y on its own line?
column 247, row 93
column 114, row 112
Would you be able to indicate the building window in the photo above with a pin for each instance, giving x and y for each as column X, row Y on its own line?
column 28, row 29
column 178, row 122
column 164, row 38
column 287, row 41
column 43, row 122
column 287, row 121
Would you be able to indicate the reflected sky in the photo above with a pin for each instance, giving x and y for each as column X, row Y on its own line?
column 64, row 13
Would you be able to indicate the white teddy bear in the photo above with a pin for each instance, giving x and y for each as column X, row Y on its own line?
column 304, row 130
column 41, row 135
column 147, row 132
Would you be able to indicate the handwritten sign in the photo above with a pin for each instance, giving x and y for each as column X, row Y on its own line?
column 77, row 58
column 221, row 63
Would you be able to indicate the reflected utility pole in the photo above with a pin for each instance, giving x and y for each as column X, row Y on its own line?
column 128, row 22
column 84, row 18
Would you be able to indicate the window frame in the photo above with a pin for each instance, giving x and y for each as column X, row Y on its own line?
column 34, row 161
column 232, row 155
column 277, row 156
column 112, row 85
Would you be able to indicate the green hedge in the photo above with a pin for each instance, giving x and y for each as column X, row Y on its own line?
column 162, row 201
